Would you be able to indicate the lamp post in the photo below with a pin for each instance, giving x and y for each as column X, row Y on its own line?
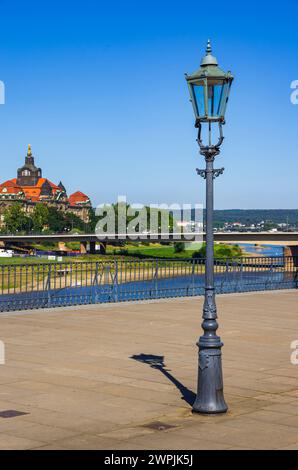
column 209, row 89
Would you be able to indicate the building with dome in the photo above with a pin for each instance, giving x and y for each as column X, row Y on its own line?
column 30, row 188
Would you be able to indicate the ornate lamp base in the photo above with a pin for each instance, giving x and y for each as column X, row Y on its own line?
column 210, row 397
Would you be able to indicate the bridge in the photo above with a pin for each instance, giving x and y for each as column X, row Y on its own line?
column 88, row 241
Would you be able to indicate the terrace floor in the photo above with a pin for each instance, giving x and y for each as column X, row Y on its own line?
column 72, row 373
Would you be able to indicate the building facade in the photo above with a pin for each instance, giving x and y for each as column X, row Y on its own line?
column 30, row 188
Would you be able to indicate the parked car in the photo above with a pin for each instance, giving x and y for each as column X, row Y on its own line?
column 6, row 253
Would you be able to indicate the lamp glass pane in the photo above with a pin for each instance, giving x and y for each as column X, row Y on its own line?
column 199, row 98
column 224, row 100
column 215, row 94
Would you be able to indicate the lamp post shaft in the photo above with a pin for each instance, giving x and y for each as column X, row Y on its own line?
column 209, row 284
column 210, row 398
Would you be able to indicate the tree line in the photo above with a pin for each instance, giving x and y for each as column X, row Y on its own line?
column 44, row 219
column 47, row 219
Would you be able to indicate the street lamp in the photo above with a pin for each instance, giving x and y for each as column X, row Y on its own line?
column 209, row 89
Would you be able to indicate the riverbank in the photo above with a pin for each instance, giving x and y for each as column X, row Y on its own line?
column 260, row 249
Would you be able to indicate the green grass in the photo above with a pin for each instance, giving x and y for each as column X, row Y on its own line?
column 29, row 260
column 45, row 246
column 74, row 246
column 154, row 251
column 167, row 251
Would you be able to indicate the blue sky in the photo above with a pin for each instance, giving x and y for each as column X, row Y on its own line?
column 97, row 88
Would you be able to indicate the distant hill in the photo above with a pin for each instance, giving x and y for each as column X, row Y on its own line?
column 253, row 216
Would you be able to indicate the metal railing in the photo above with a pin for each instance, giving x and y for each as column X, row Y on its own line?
column 31, row 286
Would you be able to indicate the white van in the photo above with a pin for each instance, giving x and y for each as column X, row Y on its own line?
column 6, row 253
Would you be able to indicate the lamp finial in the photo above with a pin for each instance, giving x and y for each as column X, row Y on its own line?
column 29, row 152
column 209, row 59
column 208, row 48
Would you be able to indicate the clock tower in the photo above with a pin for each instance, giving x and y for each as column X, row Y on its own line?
column 29, row 174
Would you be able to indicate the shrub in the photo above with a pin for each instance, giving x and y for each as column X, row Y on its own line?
column 179, row 247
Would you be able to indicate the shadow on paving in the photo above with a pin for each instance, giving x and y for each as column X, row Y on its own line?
column 157, row 362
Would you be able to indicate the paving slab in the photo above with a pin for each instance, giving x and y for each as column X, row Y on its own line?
column 123, row 376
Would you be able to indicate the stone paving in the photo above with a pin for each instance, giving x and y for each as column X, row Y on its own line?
column 122, row 376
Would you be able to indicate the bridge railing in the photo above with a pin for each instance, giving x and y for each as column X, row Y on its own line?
column 25, row 286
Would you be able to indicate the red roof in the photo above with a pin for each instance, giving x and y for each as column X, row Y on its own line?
column 33, row 192
column 10, row 187
column 78, row 198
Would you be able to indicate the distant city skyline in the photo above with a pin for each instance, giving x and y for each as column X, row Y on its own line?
column 98, row 90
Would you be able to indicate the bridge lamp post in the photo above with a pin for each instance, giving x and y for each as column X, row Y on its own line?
column 209, row 89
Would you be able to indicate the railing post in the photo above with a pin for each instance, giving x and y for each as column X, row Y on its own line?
column 241, row 277
column 193, row 275
column 95, row 284
column 270, row 278
column 106, row 274
column 296, row 278
column 156, row 278
column 115, row 282
column 49, row 285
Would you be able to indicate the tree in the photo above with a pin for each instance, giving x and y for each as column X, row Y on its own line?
column 162, row 218
column 220, row 251
column 73, row 222
column 40, row 217
column 179, row 247
column 56, row 221
column 93, row 219
column 16, row 220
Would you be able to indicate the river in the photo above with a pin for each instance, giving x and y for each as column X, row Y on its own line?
column 262, row 250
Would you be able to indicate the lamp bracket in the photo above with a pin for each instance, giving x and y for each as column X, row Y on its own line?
column 202, row 173
column 210, row 151
column 215, row 172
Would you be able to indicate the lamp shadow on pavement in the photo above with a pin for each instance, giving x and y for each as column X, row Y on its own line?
column 157, row 362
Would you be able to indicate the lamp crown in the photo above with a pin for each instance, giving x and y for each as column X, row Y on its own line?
column 208, row 48
column 209, row 59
